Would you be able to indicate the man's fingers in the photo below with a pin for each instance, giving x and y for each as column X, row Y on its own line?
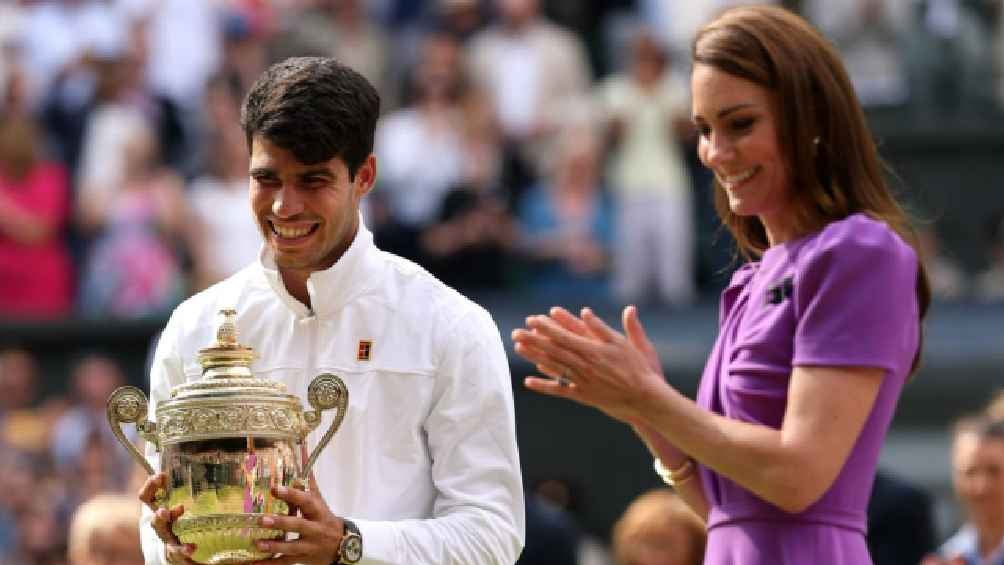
column 180, row 554
column 148, row 492
column 296, row 524
column 305, row 501
column 161, row 523
column 281, row 560
column 292, row 548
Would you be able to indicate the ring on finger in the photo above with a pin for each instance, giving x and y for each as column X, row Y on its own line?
column 565, row 380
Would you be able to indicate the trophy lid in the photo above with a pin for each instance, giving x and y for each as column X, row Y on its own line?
column 226, row 367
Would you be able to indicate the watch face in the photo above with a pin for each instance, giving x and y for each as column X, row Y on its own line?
column 353, row 549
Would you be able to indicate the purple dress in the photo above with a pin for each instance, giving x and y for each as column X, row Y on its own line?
column 842, row 296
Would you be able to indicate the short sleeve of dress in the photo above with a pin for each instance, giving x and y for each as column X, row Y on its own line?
column 855, row 298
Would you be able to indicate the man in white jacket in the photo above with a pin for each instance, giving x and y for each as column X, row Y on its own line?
column 425, row 467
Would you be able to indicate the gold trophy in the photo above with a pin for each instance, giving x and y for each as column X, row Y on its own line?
column 225, row 440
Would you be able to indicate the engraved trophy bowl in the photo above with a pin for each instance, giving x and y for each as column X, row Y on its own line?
column 225, row 440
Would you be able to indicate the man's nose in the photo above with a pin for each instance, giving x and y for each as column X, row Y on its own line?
column 287, row 203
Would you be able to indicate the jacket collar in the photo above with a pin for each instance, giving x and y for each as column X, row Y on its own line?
column 332, row 288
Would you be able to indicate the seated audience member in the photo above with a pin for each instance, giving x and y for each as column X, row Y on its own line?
column 105, row 531
column 900, row 521
column 551, row 535
column 74, row 435
column 24, row 425
column 995, row 410
column 36, row 272
column 989, row 283
column 135, row 266
column 223, row 237
column 948, row 280
column 978, row 477
column 658, row 528
column 566, row 224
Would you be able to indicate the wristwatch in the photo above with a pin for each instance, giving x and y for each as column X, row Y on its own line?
column 350, row 551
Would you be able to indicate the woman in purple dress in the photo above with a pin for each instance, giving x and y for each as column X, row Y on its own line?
column 818, row 331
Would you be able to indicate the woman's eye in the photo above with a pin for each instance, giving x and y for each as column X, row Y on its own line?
column 742, row 124
column 703, row 130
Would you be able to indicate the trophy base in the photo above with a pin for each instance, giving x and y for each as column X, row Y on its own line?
column 225, row 538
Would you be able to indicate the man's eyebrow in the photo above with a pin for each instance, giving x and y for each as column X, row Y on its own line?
column 320, row 171
column 261, row 172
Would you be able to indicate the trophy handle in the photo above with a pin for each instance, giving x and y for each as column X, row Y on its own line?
column 325, row 391
column 128, row 405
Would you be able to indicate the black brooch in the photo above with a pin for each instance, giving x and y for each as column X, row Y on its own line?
column 778, row 292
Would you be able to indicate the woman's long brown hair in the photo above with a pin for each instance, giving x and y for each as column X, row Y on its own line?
column 833, row 163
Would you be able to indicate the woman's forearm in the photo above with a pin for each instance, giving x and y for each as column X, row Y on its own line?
column 691, row 490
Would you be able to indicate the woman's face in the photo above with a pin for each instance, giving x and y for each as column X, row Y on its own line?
column 739, row 143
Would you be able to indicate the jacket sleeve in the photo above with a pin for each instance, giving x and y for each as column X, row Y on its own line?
column 478, row 513
column 165, row 372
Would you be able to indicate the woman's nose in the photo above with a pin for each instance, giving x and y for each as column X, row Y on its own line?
column 719, row 150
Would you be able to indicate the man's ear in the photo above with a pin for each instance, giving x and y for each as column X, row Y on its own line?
column 366, row 176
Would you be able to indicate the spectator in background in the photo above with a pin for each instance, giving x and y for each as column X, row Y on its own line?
column 551, row 535
column 533, row 69
column 134, row 268
column 658, row 528
column 421, row 149
column 995, row 410
column 948, row 280
column 647, row 112
column 950, row 59
column 36, row 272
column 868, row 34
column 222, row 236
column 470, row 243
column 123, row 105
column 900, row 521
column 105, row 531
column 978, row 477
column 342, row 29
column 80, row 432
column 989, row 283
column 565, row 224
column 24, row 425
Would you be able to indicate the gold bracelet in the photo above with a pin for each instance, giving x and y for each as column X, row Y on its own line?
column 677, row 476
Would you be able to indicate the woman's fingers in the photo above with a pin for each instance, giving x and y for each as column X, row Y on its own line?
column 636, row 334
column 551, row 387
column 598, row 327
column 568, row 321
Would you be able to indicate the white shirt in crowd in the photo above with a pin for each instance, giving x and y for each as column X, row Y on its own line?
column 425, row 462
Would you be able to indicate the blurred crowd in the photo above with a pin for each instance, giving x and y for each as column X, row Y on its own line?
column 538, row 147
column 526, row 146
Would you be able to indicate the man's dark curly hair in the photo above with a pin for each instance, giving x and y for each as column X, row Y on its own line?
column 314, row 107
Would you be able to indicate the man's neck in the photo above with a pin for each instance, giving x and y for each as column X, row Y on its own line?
column 296, row 284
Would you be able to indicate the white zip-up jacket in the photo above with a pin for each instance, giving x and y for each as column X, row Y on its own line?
column 425, row 462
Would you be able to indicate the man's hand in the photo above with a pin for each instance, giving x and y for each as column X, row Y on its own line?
column 175, row 552
column 320, row 531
